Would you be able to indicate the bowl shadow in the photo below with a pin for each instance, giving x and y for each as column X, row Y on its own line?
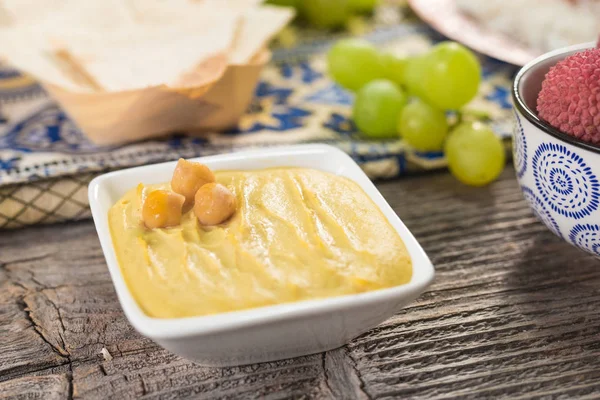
column 556, row 287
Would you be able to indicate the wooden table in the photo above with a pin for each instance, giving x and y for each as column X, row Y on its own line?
column 514, row 312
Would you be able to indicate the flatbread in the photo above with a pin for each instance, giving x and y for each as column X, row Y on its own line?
column 41, row 64
column 259, row 25
column 121, row 45
column 29, row 10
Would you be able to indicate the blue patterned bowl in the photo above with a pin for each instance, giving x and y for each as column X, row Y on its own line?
column 559, row 175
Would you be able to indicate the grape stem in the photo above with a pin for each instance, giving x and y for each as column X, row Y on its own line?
column 474, row 114
column 459, row 118
column 470, row 115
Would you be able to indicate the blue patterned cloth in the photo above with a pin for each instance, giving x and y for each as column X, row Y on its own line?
column 295, row 102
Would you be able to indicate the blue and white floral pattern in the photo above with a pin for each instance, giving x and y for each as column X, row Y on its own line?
column 519, row 147
column 501, row 96
column 295, row 102
column 566, row 183
column 49, row 129
column 587, row 237
column 540, row 211
column 15, row 86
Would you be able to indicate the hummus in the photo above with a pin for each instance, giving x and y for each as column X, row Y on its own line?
column 297, row 234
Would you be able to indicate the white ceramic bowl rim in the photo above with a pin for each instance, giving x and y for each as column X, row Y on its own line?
column 532, row 116
column 157, row 328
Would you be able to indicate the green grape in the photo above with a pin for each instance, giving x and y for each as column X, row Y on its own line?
column 363, row 6
column 325, row 13
column 394, row 66
column 356, row 26
column 284, row 3
column 377, row 107
column 413, row 75
column 354, row 62
column 450, row 76
column 422, row 126
column 475, row 154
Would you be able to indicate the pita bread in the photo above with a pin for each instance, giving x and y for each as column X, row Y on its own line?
column 6, row 18
column 41, row 64
column 29, row 10
column 71, row 67
column 121, row 45
column 259, row 25
column 152, row 59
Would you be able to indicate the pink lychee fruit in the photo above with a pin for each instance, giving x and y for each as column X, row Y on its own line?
column 570, row 96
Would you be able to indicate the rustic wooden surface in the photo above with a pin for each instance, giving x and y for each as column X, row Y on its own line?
column 514, row 312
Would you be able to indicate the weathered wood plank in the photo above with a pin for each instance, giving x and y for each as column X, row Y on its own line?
column 49, row 387
column 513, row 313
column 341, row 377
column 159, row 374
column 25, row 346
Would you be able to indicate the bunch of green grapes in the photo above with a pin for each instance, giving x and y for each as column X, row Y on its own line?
column 410, row 96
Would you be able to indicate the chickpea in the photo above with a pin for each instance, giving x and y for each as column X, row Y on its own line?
column 162, row 209
column 214, row 204
column 188, row 177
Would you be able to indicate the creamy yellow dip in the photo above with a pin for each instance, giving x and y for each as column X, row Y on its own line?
column 297, row 234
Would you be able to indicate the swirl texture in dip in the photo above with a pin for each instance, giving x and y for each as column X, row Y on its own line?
column 297, row 234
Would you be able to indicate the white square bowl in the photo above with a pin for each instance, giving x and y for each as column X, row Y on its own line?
column 273, row 332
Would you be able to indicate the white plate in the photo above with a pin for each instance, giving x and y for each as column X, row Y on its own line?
column 445, row 17
column 266, row 333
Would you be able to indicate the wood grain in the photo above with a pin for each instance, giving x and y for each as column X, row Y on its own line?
column 513, row 313
column 50, row 387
